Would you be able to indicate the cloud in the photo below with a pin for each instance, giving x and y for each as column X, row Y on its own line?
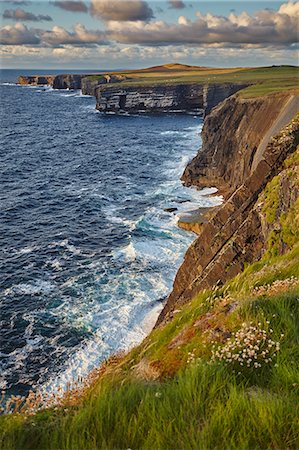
column 80, row 36
column 71, row 5
column 121, row 10
column 18, row 2
column 265, row 27
column 177, row 4
column 20, row 14
column 18, row 34
column 125, row 56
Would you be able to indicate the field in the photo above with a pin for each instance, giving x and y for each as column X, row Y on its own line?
column 262, row 80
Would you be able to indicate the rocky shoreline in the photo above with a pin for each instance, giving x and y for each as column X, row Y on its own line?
column 239, row 156
column 112, row 96
column 238, row 232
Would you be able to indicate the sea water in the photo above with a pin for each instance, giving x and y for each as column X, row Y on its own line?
column 88, row 253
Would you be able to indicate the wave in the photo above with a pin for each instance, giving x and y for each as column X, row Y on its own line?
column 34, row 288
column 127, row 253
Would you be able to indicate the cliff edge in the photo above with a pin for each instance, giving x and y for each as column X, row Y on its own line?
column 240, row 231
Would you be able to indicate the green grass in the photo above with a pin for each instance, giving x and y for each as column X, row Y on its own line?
column 202, row 405
column 167, row 393
column 262, row 81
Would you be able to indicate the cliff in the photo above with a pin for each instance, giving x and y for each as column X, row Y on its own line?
column 164, row 97
column 232, row 351
column 234, row 136
column 63, row 81
column 239, row 232
column 88, row 83
column 36, row 80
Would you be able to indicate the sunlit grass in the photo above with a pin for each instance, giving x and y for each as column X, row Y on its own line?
column 261, row 81
column 204, row 405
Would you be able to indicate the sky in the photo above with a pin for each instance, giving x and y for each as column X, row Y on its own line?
column 130, row 34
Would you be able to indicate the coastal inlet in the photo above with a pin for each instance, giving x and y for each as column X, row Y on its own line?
column 88, row 251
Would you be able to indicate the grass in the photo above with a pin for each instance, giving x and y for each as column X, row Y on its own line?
column 171, row 393
column 262, row 81
column 271, row 203
column 197, row 404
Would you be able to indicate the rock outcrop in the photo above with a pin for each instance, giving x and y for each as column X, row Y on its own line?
column 114, row 96
column 36, row 80
column 63, row 81
column 240, row 231
column 90, row 83
column 67, row 81
column 164, row 97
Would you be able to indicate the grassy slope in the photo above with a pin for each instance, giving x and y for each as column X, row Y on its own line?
column 264, row 80
column 169, row 394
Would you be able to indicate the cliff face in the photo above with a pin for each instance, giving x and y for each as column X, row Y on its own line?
column 111, row 96
column 36, row 80
column 232, row 140
column 241, row 230
column 89, row 84
column 176, row 97
column 65, row 81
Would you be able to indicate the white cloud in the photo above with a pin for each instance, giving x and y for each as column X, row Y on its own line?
column 80, row 36
column 121, row 10
column 265, row 27
column 18, row 34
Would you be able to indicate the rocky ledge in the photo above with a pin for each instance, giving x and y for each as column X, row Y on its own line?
column 115, row 96
column 198, row 98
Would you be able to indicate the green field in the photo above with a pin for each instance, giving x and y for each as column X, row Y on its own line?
column 263, row 80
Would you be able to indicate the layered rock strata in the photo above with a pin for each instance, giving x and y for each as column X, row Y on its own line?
column 88, row 83
column 175, row 98
column 239, row 232
column 63, row 81
column 36, row 80
column 114, row 96
column 231, row 139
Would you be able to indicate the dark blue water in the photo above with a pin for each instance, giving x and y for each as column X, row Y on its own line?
column 87, row 251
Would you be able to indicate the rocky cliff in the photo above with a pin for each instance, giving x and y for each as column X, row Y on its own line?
column 36, row 80
column 233, row 140
column 164, row 97
column 114, row 96
column 241, row 231
column 63, row 81
column 88, row 83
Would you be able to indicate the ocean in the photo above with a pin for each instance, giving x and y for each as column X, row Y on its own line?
column 88, row 253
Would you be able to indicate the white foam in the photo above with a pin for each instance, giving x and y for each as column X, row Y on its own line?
column 25, row 250
column 34, row 288
column 127, row 253
column 119, row 308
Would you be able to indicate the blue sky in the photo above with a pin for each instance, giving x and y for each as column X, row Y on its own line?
column 109, row 34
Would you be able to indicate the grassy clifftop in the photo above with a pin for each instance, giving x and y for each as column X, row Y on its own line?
column 263, row 80
column 223, row 374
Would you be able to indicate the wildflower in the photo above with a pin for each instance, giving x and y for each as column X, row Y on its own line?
column 247, row 348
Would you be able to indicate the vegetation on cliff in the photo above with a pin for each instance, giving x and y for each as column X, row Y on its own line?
column 262, row 80
column 222, row 374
